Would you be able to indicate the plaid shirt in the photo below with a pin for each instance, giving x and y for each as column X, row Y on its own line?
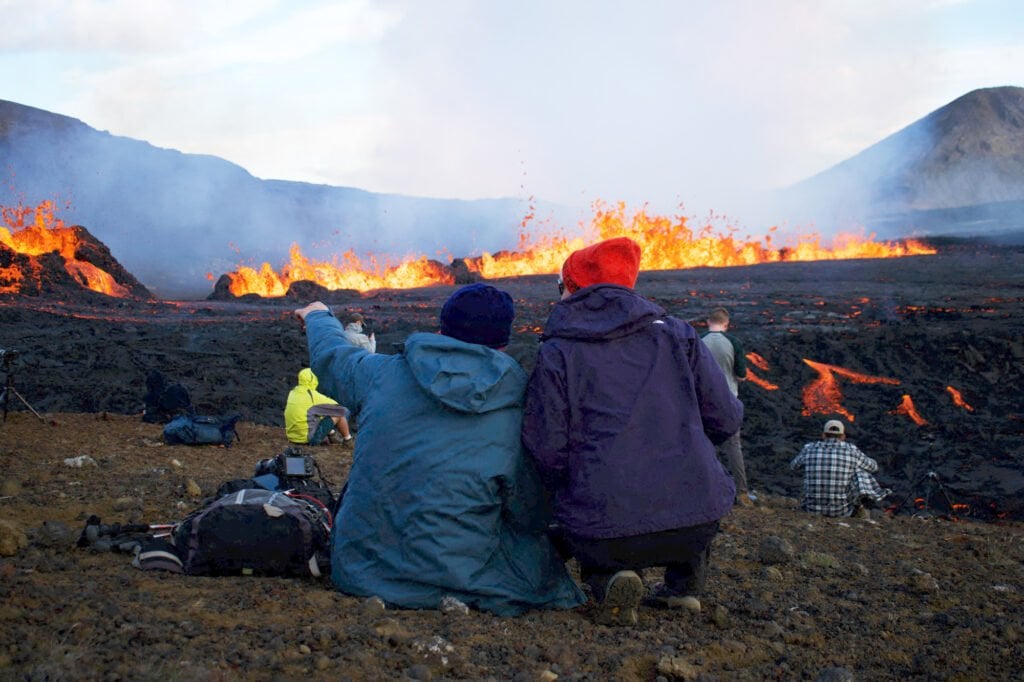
column 835, row 477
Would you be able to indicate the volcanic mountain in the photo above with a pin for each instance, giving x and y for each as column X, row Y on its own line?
column 957, row 171
column 172, row 218
column 178, row 220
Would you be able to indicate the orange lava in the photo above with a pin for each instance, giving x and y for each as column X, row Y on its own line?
column 763, row 383
column 348, row 272
column 668, row 243
column 958, row 399
column 907, row 408
column 762, row 364
column 822, row 396
column 35, row 231
column 757, row 361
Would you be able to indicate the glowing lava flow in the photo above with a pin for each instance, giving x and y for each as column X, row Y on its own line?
column 667, row 243
column 36, row 231
column 958, row 399
column 822, row 396
column 347, row 273
column 907, row 407
column 762, row 364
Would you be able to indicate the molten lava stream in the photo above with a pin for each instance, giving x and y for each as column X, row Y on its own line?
column 758, row 381
column 958, row 399
column 666, row 243
column 907, row 408
column 822, row 396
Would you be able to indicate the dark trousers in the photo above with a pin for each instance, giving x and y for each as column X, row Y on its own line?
column 684, row 552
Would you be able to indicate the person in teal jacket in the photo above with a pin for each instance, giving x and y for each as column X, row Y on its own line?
column 440, row 500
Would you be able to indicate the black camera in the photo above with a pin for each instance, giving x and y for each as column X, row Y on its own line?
column 292, row 463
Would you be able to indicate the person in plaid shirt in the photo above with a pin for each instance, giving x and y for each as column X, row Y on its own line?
column 837, row 475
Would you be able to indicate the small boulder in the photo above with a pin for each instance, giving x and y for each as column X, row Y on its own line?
column 10, row 487
column 12, row 538
column 775, row 550
column 54, row 534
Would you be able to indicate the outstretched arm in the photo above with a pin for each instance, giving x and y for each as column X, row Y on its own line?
column 339, row 366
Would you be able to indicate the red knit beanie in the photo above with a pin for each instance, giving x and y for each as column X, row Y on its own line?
column 613, row 261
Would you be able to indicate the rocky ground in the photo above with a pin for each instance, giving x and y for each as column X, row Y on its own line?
column 916, row 594
column 790, row 596
column 924, row 324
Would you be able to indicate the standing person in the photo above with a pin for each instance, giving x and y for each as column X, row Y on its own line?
column 728, row 353
column 837, row 475
column 440, row 500
column 311, row 418
column 623, row 409
column 356, row 335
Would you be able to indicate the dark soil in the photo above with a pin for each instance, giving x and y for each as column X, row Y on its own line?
column 910, row 595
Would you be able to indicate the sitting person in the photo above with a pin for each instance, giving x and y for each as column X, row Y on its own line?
column 356, row 335
column 837, row 475
column 623, row 412
column 311, row 418
column 440, row 500
column 164, row 400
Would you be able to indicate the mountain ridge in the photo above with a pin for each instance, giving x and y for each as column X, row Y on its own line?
column 172, row 217
column 967, row 153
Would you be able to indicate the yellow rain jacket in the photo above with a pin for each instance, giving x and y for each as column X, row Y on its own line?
column 296, row 410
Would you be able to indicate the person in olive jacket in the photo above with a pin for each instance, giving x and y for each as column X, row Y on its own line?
column 623, row 411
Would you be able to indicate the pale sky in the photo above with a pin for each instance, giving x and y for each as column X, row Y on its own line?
column 672, row 103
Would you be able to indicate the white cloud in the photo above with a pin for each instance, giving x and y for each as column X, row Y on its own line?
column 669, row 103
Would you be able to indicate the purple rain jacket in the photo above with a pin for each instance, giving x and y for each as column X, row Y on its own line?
column 623, row 411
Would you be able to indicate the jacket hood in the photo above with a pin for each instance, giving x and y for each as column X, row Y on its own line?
column 465, row 376
column 602, row 311
column 307, row 379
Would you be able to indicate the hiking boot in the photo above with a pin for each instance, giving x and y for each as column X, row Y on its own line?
column 744, row 500
column 621, row 599
column 348, row 443
column 333, row 437
column 662, row 597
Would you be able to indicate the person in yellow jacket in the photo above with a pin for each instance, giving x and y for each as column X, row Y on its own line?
column 307, row 410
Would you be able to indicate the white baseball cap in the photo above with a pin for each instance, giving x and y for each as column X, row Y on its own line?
column 834, row 427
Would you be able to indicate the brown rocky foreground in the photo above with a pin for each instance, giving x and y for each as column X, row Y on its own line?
column 791, row 596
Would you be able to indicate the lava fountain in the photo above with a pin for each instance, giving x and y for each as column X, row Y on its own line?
column 668, row 243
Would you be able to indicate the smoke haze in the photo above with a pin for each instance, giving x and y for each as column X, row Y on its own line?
column 707, row 106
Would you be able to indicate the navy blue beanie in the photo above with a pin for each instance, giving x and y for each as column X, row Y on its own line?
column 478, row 313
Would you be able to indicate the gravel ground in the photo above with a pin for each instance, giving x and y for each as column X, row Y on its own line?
column 789, row 597
column 913, row 595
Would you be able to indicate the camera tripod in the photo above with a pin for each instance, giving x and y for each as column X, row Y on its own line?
column 9, row 390
column 932, row 485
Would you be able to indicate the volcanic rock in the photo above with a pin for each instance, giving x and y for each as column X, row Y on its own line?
column 221, row 290
column 12, row 538
column 50, row 275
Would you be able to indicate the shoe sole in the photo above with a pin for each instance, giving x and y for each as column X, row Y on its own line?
column 625, row 590
column 687, row 603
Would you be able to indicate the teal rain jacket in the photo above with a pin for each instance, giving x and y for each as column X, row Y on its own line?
column 440, row 499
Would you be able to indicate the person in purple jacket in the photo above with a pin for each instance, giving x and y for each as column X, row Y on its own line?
column 623, row 411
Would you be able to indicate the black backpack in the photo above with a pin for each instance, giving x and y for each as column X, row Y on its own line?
column 192, row 429
column 248, row 532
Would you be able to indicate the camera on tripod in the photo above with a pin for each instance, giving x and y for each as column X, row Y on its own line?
column 292, row 463
column 7, row 358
